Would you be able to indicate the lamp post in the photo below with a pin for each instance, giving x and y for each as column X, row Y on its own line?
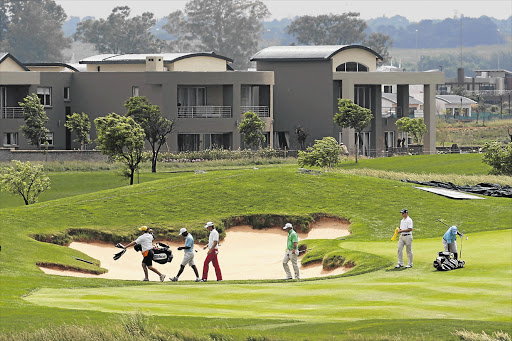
column 417, row 55
column 498, row 50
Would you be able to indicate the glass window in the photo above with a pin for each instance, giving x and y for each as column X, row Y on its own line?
column 45, row 96
column 191, row 96
column 352, row 67
column 66, row 94
column 135, row 91
column 10, row 139
column 49, row 139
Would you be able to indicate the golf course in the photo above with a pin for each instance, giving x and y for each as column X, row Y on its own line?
column 370, row 301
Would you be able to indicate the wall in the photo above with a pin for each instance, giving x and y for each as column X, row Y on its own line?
column 7, row 155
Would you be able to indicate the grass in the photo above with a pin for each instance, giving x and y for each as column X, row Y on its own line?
column 475, row 134
column 372, row 303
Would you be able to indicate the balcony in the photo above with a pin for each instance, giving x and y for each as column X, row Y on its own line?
column 11, row 112
column 204, row 111
column 260, row 110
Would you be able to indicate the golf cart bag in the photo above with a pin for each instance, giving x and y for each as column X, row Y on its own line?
column 161, row 253
column 446, row 261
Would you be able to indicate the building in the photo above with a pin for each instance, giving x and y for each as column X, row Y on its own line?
column 454, row 105
column 292, row 86
column 490, row 83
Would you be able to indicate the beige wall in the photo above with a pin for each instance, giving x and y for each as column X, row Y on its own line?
column 355, row 55
column 199, row 64
column 10, row 65
column 49, row 69
column 116, row 67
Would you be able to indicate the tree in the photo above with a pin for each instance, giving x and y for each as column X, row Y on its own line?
column 119, row 33
column 442, row 134
column 34, row 30
column 380, row 43
column 80, row 124
column 24, row 179
column 122, row 139
column 252, row 129
column 480, row 107
column 413, row 126
column 499, row 157
column 227, row 27
column 351, row 115
column 324, row 153
column 35, row 119
column 156, row 128
column 302, row 135
column 329, row 29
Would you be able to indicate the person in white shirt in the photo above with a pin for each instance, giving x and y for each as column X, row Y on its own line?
column 188, row 257
column 405, row 231
column 146, row 243
column 213, row 250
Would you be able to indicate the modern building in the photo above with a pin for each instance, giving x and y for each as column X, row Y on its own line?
column 292, row 86
column 454, row 105
column 490, row 82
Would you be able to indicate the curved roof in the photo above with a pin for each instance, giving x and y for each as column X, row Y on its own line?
column 307, row 53
column 141, row 58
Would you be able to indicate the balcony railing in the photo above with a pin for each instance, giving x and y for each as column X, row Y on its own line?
column 11, row 112
column 204, row 111
column 260, row 110
column 391, row 112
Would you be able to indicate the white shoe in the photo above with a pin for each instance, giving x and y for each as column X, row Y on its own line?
column 408, row 266
column 198, row 279
column 162, row 277
column 398, row 266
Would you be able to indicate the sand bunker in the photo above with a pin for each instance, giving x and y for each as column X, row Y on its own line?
column 245, row 253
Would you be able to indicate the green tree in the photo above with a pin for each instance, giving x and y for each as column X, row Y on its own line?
column 35, row 120
column 122, row 139
column 252, row 129
column 324, row 153
column 302, row 135
column 413, row 126
column 328, row 29
column 499, row 157
column 351, row 115
column 119, row 33
column 229, row 27
column 480, row 107
column 34, row 30
column 380, row 43
column 156, row 128
column 442, row 134
column 80, row 125
column 24, row 179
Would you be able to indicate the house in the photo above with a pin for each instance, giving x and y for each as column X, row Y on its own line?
column 490, row 83
column 390, row 106
column 454, row 105
column 200, row 92
column 309, row 80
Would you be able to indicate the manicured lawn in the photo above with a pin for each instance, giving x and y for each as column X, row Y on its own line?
column 430, row 304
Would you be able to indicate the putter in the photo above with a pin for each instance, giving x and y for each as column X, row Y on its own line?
column 82, row 260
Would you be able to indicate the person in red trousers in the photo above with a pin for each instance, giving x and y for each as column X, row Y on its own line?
column 213, row 250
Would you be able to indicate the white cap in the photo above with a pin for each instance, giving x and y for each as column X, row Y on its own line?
column 288, row 225
column 182, row 231
column 208, row 224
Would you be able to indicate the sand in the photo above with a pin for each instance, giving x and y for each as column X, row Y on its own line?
column 245, row 253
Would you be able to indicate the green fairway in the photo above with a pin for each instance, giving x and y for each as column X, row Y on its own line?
column 369, row 302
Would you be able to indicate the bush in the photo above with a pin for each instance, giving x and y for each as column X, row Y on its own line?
column 499, row 157
column 324, row 153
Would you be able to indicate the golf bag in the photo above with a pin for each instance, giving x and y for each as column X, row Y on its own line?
column 446, row 261
column 162, row 253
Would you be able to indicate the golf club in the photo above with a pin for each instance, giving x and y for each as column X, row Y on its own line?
column 119, row 254
column 462, row 235
column 439, row 220
column 82, row 260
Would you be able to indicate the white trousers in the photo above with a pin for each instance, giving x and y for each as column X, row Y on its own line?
column 407, row 241
column 450, row 247
column 188, row 258
column 293, row 257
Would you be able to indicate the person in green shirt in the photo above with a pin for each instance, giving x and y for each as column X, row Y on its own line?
column 292, row 252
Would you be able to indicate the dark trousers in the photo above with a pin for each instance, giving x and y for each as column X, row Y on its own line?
column 212, row 257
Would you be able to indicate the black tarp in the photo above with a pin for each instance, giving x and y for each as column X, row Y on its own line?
column 492, row 190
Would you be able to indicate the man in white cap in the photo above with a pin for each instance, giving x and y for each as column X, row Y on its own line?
column 405, row 232
column 213, row 250
column 292, row 252
column 188, row 257
column 146, row 243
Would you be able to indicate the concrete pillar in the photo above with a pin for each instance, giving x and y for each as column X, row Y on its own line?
column 271, row 110
column 236, row 112
column 347, row 92
column 377, row 124
column 402, row 99
column 429, row 110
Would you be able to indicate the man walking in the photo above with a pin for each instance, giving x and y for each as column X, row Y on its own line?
column 405, row 232
column 188, row 257
column 213, row 250
column 146, row 243
column 292, row 252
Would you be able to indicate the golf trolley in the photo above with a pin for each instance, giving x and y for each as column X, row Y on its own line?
column 161, row 252
column 446, row 260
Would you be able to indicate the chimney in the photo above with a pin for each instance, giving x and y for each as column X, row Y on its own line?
column 154, row 63
column 460, row 75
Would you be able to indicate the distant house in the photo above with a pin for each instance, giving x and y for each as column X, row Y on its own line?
column 390, row 106
column 489, row 82
column 454, row 105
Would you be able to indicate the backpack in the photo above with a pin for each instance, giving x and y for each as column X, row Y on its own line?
column 446, row 261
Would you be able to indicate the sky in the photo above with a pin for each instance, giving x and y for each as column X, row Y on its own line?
column 413, row 10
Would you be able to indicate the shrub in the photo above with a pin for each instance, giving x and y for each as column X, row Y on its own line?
column 499, row 157
column 324, row 153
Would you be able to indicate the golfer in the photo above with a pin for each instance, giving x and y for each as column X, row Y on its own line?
column 188, row 257
column 292, row 252
column 146, row 243
column 450, row 240
column 405, row 231
column 213, row 250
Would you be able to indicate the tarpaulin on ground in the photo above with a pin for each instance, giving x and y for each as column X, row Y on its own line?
column 492, row 190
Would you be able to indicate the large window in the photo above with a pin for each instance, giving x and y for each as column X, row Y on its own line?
column 191, row 96
column 135, row 91
column 67, row 94
column 362, row 96
column 188, row 142
column 48, row 140
column 352, row 67
column 217, row 141
column 389, row 139
column 10, row 139
column 45, row 96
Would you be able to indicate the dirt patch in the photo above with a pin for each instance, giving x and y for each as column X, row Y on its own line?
column 245, row 253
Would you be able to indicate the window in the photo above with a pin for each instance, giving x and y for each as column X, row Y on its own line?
column 352, row 67
column 191, row 96
column 48, row 140
column 189, row 142
column 45, row 96
column 66, row 94
column 388, row 89
column 10, row 139
column 362, row 96
column 389, row 139
column 135, row 91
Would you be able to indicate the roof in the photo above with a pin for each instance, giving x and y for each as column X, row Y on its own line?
column 308, row 53
column 53, row 64
column 141, row 58
column 5, row 55
column 455, row 99
column 392, row 98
